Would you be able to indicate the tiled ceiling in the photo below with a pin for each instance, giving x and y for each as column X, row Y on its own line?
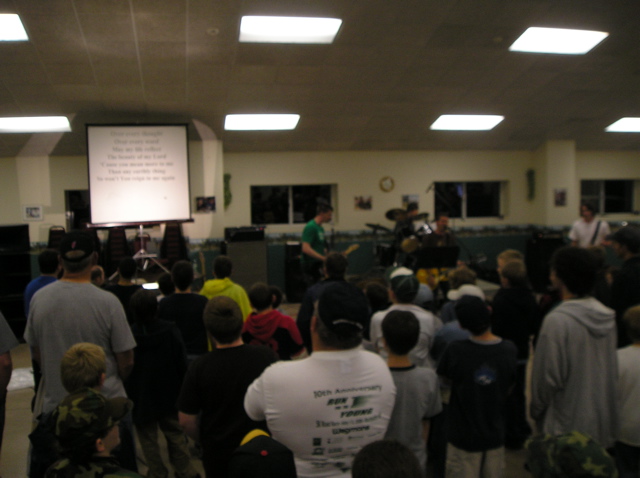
column 395, row 66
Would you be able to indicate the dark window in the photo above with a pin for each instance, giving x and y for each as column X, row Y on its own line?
column 287, row 204
column 608, row 196
column 468, row 199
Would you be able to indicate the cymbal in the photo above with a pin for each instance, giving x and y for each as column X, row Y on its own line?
column 396, row 214
column 422, row 215
column 378, row 227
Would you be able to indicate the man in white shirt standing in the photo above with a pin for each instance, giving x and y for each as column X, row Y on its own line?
column 326, row 407
column 587, row 231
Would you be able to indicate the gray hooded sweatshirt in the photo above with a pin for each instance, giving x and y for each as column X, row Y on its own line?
column 575, row 371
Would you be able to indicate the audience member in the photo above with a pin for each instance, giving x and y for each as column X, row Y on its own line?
column 334, row 269
column 125, row 287
column 86, row 424
column 625, row 289
column 166, row 286
column 403, row 287
column 569, row 455
column 154, row 386
column 260, row 456
column 506, row 256
column 462, row 281
column 628, row 444
column 210, row 403
column 223, row 285
column 515, row 315
column 386, row 459
column 97, row 276
column 277, row 295
column 82, row 365
column 49, row 264
column 269, row 327
column 185, row 309
column 574, row 377
column 480, row 371
column 340, row 392
column 8, row 341
column 602, row 286
column 417, row 389
column 73, row 310
column 586, row 231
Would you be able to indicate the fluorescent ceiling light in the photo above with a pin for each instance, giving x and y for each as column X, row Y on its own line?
column 254, row 29
column 557, row 40
column 35, row 124
column 11, row 28
column 260, row 122
column 466, row 122
column 624, row 125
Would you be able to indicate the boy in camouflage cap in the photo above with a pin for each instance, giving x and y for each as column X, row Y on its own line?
column 86, row 424
column 571, row 455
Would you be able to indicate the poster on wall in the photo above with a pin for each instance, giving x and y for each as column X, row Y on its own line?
column 363, row 203
column 206, row 204
column 560, row 197
column 31, row 212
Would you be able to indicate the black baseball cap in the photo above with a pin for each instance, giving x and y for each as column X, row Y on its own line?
column 76, row 241
column 342, row 303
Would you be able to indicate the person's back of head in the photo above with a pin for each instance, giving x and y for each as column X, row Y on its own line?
column 335, row 266
column 473, row 314
column 182, row 275
column 223, row 319
column 510, row 255
column 127, row 268
column 166, row 285
column 401, row 331
column 631, row 321
column 323, row 208
column 222, row 266
column 600, row 255
column 260, row 296
column 83, row 418
column 77, row 252
column 515, row 272
column 277, row 295
column 576, row 268
column 342, row 312
column 461, row 276
column 377, row 295
column 144, row 306
column 569, row 455
column 386, row 459
column 404, row 284
column 83, row 365
column 260, row 456
column 48, row 261
column 97, row 276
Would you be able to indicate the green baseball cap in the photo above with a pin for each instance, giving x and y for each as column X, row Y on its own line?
column 86, row 414
column 573, row 454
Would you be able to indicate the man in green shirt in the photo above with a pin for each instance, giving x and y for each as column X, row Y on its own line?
column 313, row 244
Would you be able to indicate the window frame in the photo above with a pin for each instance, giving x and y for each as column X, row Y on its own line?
column 464, row 214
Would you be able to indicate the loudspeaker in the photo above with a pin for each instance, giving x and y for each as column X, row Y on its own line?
column 538, row 255
column 249, row 262
column 295, row 286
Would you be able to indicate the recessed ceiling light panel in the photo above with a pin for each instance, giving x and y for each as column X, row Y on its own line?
column 35, row 124
column 11, row 28
column 256, row 29
column 557, row 40
column 624, row 125
column 261, row 122
column 466, row 122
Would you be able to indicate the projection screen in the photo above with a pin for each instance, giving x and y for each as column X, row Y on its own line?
column 138, row 174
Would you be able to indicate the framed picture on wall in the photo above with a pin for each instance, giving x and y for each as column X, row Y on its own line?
column 560, row 197
column 32, row 212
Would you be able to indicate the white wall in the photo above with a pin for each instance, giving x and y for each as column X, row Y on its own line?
column 359, row 173
column 355, row 174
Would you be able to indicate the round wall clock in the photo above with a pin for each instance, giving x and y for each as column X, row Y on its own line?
column 387, row 184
